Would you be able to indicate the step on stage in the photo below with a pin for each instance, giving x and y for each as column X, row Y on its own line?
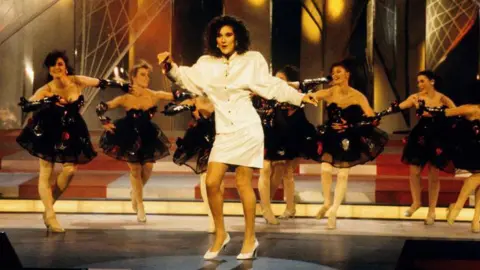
column 378, row 190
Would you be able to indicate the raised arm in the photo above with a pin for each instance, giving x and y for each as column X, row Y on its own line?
column 84, row 81
column 189, row 78
column 323, row 94
column 116, row 102
column 410, row 102
column 464, row 110
column 270, row 87
column 43, row 96
column 396, row 107
column 156, row 94
column 163, row 95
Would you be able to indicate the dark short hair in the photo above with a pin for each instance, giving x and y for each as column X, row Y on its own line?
column 142, row 64
column 242, row 35
column 291, row 72
column 432, row 76
column 51, row 60
column 428, row 73
column 348, row 64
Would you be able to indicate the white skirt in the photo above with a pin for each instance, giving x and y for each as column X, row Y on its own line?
column 243, row 147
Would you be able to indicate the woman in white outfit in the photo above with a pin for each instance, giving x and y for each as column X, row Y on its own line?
column 227, row 74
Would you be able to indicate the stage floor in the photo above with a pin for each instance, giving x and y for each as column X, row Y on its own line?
column 179, row 242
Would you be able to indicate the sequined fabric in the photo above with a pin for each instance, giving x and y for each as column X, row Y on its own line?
column 193, row 150
column 136, row 138
column 427, row 143
column 58, row 134
column 353, row 146
column 465, row 143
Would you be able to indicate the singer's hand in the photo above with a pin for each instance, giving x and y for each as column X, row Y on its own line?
column 165, row 61
column 311, row 99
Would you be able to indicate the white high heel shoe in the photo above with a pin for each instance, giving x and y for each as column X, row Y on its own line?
column 212, row 255
column 251, row 255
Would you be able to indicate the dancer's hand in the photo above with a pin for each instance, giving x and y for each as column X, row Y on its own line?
column 204, row 107
column 189, row 102
column 196, row 114
column 372, row 120
column 110, row 127
column 426, row 114
column 61, row 102
column 165, row 61
column 311, row 99
column 340, row 127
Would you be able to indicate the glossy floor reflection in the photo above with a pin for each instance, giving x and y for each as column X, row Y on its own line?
column 132, row 249
column 223, row 263
column 179, row 242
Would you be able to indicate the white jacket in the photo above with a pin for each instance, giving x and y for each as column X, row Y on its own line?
column 228, row 84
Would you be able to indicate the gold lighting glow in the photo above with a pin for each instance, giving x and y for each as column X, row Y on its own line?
column 335, row 8
column 29, row 71
column 257, row 3
column 309, row 29
column 422, row 56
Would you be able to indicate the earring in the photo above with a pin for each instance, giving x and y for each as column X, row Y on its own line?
column 236, row 43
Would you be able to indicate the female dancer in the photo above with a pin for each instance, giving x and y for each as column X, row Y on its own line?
column 344, row 143
column 424, row 144
column 464, row 139
column 57, row 132
column 275, row 153
column 284, row 143
column 227, row 75
column 135, row 138
column 193, row 150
